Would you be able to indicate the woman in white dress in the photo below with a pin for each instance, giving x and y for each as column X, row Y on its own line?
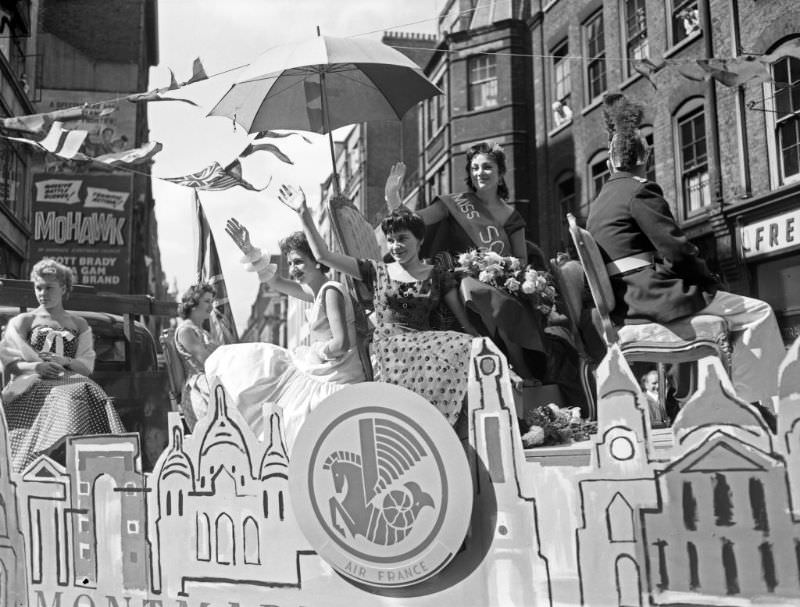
column 296, row 381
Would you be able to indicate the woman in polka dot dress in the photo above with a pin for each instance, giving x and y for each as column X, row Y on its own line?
column 434, row 364
column 50, row 354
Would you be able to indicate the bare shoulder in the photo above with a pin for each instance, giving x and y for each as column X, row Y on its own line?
column 80, row 322
column 22, row 322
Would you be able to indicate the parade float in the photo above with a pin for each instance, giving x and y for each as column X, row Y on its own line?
column 381, row 504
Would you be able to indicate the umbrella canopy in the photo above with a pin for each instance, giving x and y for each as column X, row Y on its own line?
column 324, row 83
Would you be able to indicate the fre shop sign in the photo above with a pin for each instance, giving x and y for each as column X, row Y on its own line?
column 84, row 222
column 777, row 233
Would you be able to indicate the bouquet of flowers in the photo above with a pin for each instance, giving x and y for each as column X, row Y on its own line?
column 554, row 425
column 507, row 274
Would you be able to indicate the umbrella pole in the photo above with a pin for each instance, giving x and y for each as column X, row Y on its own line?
column 325, row 121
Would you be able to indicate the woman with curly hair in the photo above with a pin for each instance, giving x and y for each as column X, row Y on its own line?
column 296, row 381
column 49, row 354
column 655, row 269
column 195, row 345
column 482, row 218
column 406, row 351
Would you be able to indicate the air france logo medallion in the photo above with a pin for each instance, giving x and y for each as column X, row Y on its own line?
column 381, row 485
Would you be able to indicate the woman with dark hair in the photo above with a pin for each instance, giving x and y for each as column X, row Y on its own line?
column 297, row 380
column 482, row 218
column 195, row 345
column 50, row 354
column 655, row 269
column 406, row 351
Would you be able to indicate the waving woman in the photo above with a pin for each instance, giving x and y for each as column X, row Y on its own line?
column 407, row 352
column 481, row 218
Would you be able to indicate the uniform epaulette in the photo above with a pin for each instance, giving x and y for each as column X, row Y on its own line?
column 640, row 179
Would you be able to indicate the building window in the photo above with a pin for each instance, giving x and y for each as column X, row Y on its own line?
column 565, row 199
column 482, row 81
column 599, row 175
column 562, row 87
column 83, row 488
column 786, row 114
column 647, row 133
column 685, row 19
column 133, row 527
column 596, row 55
column 693, row 160
column 635, row 31
column 83, row 523
column 438, row 182
column 434, row 108
column 689, row 507
column 694, row 566
column 723, row 500
column 84, row 551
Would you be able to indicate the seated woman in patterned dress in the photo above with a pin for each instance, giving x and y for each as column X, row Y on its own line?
column 195, row 345
column 407, row 352
column 50, row 355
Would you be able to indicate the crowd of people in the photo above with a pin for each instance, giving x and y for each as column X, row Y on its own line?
column 425, row 314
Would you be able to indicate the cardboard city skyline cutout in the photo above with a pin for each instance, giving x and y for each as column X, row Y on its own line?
column 706, row 514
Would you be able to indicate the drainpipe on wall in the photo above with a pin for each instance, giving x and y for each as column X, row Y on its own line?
column 726, row 254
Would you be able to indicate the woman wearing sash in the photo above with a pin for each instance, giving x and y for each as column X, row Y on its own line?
column 481, row 218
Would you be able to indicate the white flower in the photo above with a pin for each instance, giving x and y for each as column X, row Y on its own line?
column 533, row 437
column 514, row 264
column 528, row 287
column 512, row 284
column 493, row 258
column 485, row 276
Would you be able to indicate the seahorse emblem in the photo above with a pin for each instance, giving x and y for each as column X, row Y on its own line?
column 371, row 500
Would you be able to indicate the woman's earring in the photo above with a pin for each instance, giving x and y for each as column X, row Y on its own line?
column 319, row 267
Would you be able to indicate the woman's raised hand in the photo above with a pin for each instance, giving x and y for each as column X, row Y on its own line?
column 239, row 235
column 393, row 184
column 292, row 197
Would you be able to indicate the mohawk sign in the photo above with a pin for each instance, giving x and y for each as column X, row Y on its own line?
column 84, row 222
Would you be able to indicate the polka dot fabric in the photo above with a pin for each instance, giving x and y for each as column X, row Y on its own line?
column 53, row 408
column 434, row 364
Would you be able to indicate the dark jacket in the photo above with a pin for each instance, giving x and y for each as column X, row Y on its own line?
column 630, row 216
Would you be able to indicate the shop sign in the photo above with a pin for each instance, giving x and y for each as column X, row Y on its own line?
column 84, row 222
column 770, row 235
column 377, row 484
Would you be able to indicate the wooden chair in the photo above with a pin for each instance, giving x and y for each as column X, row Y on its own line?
column 568, row 276
column 684, row 340
column 356, row 237
column 175, row 369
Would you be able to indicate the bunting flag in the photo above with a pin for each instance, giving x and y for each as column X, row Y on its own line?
column 209, row 269
column 215, row 178
column 198, row 72
column 59, row 141
column 737, row 71
column 263, row 146
column 276, row 135
column 647, row 68
column 130, row 157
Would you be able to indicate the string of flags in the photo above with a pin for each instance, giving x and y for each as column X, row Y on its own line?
column 46, row 132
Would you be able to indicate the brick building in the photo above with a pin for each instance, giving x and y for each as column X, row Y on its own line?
column 15, row 100
column 482, row 63
column 71, row 54
column 727, row 157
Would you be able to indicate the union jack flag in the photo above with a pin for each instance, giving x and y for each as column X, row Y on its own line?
column 215, row 178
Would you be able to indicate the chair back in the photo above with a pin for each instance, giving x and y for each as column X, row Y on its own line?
column 596, row 275
column 356, row 238
column 175, row 369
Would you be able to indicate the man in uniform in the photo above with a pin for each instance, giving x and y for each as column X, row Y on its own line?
column 655, row 269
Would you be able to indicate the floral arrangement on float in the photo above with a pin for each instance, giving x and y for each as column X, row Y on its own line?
column 508, row 275
column 553, row 425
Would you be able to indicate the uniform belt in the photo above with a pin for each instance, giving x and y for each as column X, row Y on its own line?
column 629, row 263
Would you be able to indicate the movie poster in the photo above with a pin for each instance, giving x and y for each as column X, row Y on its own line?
column 84, row 222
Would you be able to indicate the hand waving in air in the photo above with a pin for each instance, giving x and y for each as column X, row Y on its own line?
column 294, row 198
column 393, row 184
column 239, row 235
